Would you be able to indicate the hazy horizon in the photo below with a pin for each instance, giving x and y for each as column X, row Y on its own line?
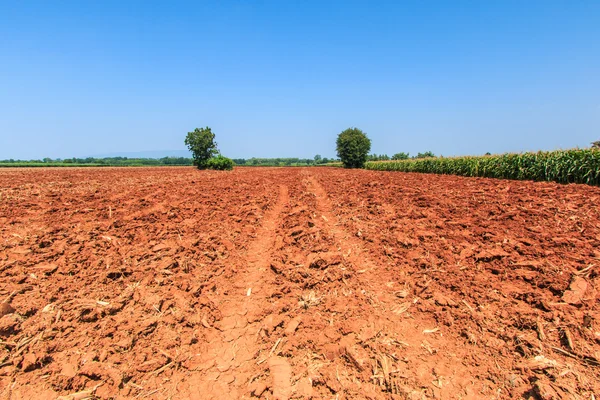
column 282, row 79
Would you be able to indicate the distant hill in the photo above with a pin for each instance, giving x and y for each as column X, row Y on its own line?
column 147, row 154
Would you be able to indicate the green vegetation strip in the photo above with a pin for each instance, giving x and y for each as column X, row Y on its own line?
column 167, row 161
column 563, row 166
column 51, row 164
column 98, row 162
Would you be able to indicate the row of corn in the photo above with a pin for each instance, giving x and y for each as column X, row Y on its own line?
column 563, row 166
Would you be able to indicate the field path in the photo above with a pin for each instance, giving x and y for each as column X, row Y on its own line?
column 350, row 246
column 393, row 314
column 234, row 352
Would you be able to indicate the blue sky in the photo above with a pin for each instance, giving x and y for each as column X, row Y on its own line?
column 283, row 78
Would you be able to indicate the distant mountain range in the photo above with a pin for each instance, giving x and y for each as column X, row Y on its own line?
column 147, row 154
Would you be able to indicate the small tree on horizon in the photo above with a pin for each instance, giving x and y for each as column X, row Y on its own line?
column 400, row 156
column 353, row 147
column 427, row 154
column 201, row 143
column 378, row 157
column 596, row 145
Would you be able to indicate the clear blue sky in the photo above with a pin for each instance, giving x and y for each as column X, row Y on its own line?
column 283, row 78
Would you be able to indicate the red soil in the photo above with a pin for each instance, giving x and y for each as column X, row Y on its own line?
column 296, row 283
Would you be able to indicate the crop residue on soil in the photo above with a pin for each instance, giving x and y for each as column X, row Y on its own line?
column 282, row 283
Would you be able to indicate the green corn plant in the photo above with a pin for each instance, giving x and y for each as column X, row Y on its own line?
column 562, row 166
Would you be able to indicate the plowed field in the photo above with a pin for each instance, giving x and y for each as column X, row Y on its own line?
column 174, row 283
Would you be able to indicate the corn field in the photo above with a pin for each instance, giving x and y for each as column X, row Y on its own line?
column 563, row 166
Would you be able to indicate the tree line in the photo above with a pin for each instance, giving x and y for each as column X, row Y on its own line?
column 353, row 146
column 284, row 161
column 165, row 161
column 398, row 156
column 105, row 161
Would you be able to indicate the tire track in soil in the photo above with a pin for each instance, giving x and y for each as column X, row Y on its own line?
column 235, row 349
column 350, row 247
column 426, row 356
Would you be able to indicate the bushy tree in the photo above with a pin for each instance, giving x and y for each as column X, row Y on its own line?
column 353, row 147
column 400, row 156
column 427, row 154
column 201, row 143
column 220, row 163
column 596, row 145
column 378, row 157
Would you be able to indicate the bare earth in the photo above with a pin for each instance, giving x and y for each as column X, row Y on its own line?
column 174, row 283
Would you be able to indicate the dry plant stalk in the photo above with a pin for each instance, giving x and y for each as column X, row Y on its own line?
column 540, row 330
column 309, row 299
column 401, row 308
column 384, row 374
column 84, row 394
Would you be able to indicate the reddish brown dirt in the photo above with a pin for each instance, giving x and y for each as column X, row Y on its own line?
column 296, row 283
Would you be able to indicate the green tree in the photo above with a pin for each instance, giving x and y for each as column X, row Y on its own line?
column 220, row 163
column 201, row 143
column 378, row 157
column 427, row 154
column 400, row 156
column 318, row 159
column 353, row 147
